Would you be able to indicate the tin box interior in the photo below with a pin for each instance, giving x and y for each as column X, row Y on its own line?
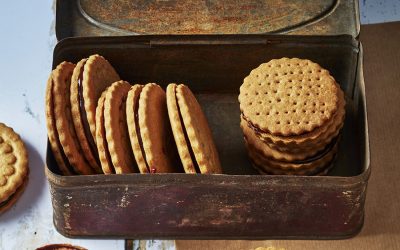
column 239, row 203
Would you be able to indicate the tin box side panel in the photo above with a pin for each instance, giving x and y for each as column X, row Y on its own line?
column 123, row 17
column 217, row 207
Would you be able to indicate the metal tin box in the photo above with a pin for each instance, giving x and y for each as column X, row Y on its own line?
column 239, row 203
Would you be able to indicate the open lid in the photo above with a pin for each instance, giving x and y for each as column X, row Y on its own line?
column 126, row 17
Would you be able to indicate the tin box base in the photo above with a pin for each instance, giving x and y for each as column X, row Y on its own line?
column 238, row 204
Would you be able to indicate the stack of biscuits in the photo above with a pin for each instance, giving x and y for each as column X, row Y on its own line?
column 98, row 123
column 292, row 111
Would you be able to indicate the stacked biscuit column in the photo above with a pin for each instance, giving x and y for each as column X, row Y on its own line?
column 292, row 111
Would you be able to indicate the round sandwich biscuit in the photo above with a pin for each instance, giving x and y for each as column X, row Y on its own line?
column 90, row 78
column 60, row 247
column 308, row 164
column 268, row 151
column 116, row 128
column 315, row 139
column 69, row 141
column 275, row 95
column 180, row 135
column 101, row 140
column 132, row 109
column 200, row 132
column 52, row 133
column 155, row 131
column 13, row 167
column 197, row 134
column 316, row 172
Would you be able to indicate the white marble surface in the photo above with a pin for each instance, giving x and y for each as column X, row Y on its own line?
column 26, row 43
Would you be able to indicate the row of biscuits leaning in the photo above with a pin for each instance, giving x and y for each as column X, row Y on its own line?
column 98, row 123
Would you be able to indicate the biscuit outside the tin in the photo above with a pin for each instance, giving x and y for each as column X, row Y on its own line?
column 192, row 133
column 60, row 247
column 287, row 97
column 13, row 167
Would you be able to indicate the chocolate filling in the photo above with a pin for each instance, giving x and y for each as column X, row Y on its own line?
column 195, row 164
column 63, row 156
column 139, row 136
column 84, row 120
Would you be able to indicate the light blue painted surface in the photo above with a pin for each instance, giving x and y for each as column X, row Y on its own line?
column 26, row 44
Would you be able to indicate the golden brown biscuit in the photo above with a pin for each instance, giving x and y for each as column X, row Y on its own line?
column 155, row 131
column 132, row 109
column 288, row 97
column 52, row 133
column 79, row 117
column 116, row 128
column 90, row 78
column 63, row 118
column 317, row 161
column 268, row 151
column 317, row 172
column 7, row 204
column 179, row 131
column 316, row 139
column 191, row 131
column 101, row 141
column 60, row 247
column 97, row 76
column 13, row 166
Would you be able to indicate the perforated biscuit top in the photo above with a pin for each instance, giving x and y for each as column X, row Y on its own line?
column 288, row 96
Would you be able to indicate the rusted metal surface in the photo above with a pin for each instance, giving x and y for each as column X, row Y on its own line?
column 125, row 17
column 238, row 204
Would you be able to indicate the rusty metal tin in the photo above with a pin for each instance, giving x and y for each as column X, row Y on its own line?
column 124, row 17
column 238, row 204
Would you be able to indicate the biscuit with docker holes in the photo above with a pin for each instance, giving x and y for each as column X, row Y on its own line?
column 316, row 139
column 13, row 167
column 90, row 78
column 275, row 95
column 52, row 133
column 191, row 132
column 63, row 118
column 321, row 159
column 101, row 140
column 116, row 128
column 132, row 117
column 159, row 149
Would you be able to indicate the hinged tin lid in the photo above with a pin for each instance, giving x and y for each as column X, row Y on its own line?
column 126, row 17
